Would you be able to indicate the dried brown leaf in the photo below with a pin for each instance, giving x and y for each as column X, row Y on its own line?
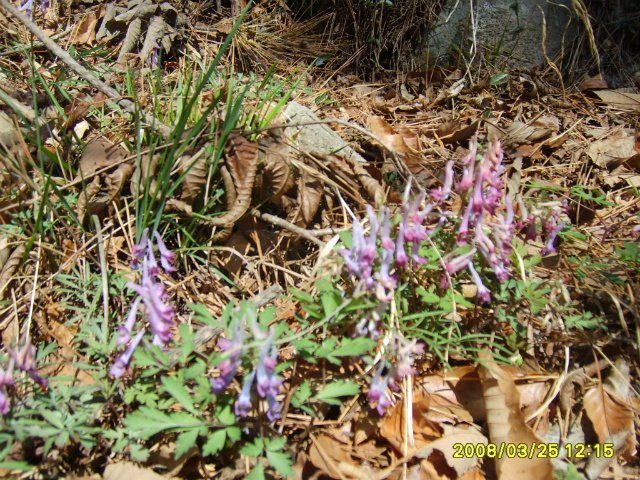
column 134, row 32
column 613, row 151
column 10, row 267
column 242, row 162
column 593, row 83
column 99, row 154
column 398, row 142
column 507, row 426
column 334, row 458
column 195, row 177
column 275, row 179
column 85, row 31
column 310, row 190
column 520, row 133
column 425, row 430
column 457, row 132
column 621, row 100
column 232, row 261
column 608, row 408
column 446, row 445
column 80, row 106
column 155, row 31
column 129, row 471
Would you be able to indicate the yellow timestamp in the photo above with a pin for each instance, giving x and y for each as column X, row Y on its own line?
column 532, row 450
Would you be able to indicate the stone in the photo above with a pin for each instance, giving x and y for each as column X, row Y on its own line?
column 510, row 29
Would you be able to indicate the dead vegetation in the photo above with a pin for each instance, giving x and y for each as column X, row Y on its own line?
column 255, row 208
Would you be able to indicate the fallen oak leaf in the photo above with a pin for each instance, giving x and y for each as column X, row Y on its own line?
column 507, row 426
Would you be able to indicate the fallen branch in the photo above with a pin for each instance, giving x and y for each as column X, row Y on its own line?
column 86, row 74
column 281, row 222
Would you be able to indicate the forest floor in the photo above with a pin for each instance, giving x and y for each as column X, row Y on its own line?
column 434, row 275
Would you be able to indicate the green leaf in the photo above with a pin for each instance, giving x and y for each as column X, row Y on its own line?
column 52, row 417
column 138, row 452
column 429, row 298
column 354, row 347
column 186, row 345
column 16, row 465
column 203, row 315
column 499, row 78
column 185, row 441
column 301, row 395
column 215, row 442
column 532, row 261
column 281, row 462
column 339, row 388
column 275, row 444
column 330, row 302
column 571, row 233
column 253, row 449
column 257, row 473
column 304, row 297
column 174, row 386
column 234, row 433
column 147, row 422
column 226, row 415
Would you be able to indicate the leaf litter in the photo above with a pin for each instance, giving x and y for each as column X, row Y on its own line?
column 549, row 136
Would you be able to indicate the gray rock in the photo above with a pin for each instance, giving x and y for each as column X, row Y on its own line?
column 508, row 28
column 316, row 138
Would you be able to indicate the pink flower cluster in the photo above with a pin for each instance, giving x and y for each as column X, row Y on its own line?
column 405, row 353
column 151, row 295
column 267, row 382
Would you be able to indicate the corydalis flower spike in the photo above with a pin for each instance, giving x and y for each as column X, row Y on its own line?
column 229, row 366
column 126, row 329
column 138, row 250
column 120, row 365
column 483, row 292
column 267, row 381
column 167, row 257
column 377, row 392
column 243, row 404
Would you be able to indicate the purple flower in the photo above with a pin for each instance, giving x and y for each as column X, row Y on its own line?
column 243, row 403
column 120, row 365
column 24, row 356
column 377, row 392
column 230, row 365
column 267, row 381
column 6, row 375
column 467, row 178
column 463, row 229
column 126, row 329
column 273, row 413
column 152, row 61
column 405, row 352
column 402, row 260
column 4, row 400
column 153, row 296
column 453, row 265
column 549, row 248
column 44, row 6
column 385, row 238
column 441, row 194
column 139, row 250
column 27, row 7
column 483, row 294
column 167, row 257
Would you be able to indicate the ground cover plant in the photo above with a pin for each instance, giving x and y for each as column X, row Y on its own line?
column 190, row 290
